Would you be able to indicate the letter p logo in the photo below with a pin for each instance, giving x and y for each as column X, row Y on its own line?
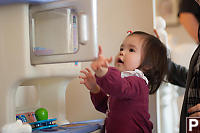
column 193, row 123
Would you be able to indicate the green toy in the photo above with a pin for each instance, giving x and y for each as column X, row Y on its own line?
column 41, row 114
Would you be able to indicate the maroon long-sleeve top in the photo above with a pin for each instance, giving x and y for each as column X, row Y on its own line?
column 125, row 101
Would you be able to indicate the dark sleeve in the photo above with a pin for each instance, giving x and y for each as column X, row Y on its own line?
column 189, row 6
column 99, row 101
column 177, row 74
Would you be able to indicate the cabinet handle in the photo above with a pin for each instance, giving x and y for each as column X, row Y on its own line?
column 83, row 28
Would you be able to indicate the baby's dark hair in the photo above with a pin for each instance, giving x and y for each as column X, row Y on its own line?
column 154, row 60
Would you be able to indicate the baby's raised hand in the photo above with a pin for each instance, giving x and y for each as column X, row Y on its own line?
column 100, row 63
column 89, row 80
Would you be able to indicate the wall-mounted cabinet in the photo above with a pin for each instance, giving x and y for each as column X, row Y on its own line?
column 63, row 31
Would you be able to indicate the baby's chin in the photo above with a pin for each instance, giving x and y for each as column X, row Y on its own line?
column 119, row 68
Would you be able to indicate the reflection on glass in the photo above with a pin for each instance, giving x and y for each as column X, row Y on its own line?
column 54, row 32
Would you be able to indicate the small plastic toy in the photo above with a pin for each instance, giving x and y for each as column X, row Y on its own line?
column 36, row 120
column 41, row 114
column 27, row 117
column 43, row 124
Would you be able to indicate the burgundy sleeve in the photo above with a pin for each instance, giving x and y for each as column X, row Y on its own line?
column 114, row 85
column 99, row 101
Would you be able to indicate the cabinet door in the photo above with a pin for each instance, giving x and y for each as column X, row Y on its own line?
column 63, row 31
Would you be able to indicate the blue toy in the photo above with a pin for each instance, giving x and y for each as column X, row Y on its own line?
column 43, row 124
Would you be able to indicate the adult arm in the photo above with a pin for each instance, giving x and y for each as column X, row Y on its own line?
column 177, row 74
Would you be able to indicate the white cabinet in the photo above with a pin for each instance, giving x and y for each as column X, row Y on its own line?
column 63, row 31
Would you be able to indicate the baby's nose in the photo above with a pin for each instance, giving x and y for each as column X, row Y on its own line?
column 121, row 53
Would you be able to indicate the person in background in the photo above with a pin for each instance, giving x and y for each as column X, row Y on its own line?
column 122, row 92
column 189, row 17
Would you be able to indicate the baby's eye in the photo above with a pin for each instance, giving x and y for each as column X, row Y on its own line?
column 121, row 49
column 131, row 50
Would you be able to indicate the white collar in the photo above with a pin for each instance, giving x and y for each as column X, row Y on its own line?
column 136, row 72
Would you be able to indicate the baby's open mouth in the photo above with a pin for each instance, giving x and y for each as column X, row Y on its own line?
column 120, row 61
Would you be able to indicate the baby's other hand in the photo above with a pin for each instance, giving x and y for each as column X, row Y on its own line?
column 89, row 80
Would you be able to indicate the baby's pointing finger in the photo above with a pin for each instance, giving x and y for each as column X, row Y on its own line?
column 100, row 50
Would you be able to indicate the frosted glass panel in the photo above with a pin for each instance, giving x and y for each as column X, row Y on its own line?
column 54, row 32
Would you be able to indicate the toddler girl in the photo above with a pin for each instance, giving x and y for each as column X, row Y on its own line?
column 122, row 92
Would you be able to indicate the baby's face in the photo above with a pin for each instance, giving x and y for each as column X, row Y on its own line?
column 130, row 54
